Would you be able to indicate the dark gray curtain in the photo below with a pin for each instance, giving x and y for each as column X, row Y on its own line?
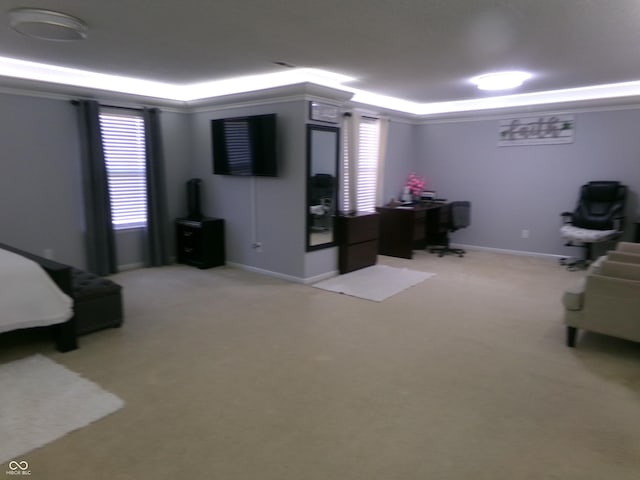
column 157, row 216
column 99, row 236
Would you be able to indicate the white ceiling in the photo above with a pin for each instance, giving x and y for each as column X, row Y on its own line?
column 422, row 51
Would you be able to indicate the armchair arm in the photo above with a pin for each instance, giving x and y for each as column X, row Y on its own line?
column 629, row 247
column 628, row 271
column 610, row 306
column 623, row 256
column 573, row 298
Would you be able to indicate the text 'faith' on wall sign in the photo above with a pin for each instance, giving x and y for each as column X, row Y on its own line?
column 540, row 130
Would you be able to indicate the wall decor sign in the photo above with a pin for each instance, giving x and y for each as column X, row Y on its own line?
column 324, row 112
column 540, row 130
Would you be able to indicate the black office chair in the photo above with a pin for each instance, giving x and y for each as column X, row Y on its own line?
column 321, row 191
column 458, row 216
column 322, row 186
column 598, row 217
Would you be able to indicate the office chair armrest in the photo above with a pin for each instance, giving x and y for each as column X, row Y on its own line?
column 618, row 223
column 567, row 217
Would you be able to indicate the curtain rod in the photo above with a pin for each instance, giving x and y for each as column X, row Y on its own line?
column 77, row 102
column 349, row 114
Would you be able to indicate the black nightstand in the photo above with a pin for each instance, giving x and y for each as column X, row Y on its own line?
column 200, row 242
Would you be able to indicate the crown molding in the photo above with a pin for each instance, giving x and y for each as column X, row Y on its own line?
column 304, row 91
column 602, row 105
column 287, row 93
column 35, row 88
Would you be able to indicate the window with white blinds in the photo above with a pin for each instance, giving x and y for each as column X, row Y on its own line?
column 364, row 167
column 123, row 140
column 367, row 167
column 345, row 174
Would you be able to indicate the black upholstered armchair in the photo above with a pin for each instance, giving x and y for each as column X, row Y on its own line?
column 598, row 217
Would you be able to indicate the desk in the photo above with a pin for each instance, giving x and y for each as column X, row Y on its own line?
column 404, row 229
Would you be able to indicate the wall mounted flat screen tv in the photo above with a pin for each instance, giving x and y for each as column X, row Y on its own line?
column 245, row 146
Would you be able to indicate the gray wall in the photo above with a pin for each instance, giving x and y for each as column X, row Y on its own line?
column 526, row 187
column 178, row 155
column 40, row 183
column 40, row 180
column 259, row 209
column 403, row 157
column 176, row 144
column 512, row 188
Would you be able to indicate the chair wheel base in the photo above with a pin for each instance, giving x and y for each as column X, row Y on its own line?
column 442, row 251
column 574, row 264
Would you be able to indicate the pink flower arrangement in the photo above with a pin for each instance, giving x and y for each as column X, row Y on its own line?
column 416, row 184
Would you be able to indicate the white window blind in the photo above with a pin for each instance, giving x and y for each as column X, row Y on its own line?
column 366, row 164
column 367, row 168
column 123, row 140
column 345, row 174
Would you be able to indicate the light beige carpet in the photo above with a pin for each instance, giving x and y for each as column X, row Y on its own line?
column 231, row 375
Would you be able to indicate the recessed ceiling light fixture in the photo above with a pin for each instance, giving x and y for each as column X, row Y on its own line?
column 47, row 24
column 500, row 80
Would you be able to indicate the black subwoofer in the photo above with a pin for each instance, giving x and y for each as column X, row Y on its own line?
column 194, row 210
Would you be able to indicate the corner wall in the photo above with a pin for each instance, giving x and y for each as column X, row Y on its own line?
column 527, row 187
column 259, row 209
column 41, row 182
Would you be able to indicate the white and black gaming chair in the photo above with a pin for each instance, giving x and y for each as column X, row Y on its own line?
column 598, row 217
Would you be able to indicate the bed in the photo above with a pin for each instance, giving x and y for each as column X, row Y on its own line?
column 36, row 292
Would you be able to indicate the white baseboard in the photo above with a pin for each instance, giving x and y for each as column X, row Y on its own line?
column 262, row 271
column 321, row 277
column 283, row 276
column 130, row 266
column 510, row 252
column 136, row 265
column 324, row 276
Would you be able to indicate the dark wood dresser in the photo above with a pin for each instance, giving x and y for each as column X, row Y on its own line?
column 357, row 237
column 200, row 242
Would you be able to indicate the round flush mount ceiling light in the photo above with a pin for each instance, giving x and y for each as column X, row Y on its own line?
column 47, row 24
column 500, row 80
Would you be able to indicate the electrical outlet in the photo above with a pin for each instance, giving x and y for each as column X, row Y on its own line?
column 525, row 233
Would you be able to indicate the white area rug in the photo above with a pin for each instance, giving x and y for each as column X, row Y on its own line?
column 376, row 283
column 40, row 401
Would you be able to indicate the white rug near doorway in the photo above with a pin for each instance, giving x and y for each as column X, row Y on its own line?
column 376, row 283
column 40, row 401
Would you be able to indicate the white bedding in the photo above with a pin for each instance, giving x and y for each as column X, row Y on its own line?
column 28, row 296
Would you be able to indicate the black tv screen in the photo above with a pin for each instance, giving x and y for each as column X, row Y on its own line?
column 245, row 146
